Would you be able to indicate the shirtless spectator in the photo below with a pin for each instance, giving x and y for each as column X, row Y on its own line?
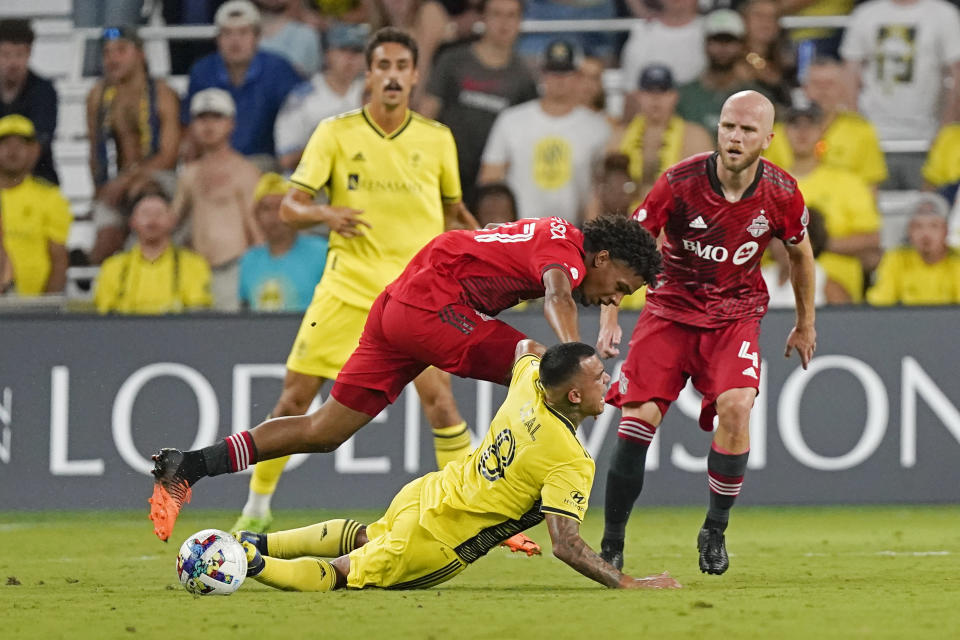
column 215, row 193
column 134, row 132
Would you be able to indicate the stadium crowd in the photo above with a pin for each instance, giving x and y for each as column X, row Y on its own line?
column 185, row 211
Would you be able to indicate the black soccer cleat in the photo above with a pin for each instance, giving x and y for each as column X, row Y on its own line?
column 612, row 553
column 713, row 551
column 259, row 540
column 255, row 547
column 171, row 490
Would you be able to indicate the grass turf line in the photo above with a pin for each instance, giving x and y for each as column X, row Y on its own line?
column 798, row 572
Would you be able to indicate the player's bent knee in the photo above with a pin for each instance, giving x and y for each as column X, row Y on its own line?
column 734, row 407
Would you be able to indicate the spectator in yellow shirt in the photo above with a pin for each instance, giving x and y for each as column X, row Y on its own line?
column 942, row 168
column 155, row 276
column 847, row 204
column 928, row 271
column 34, row 217
column 849, row 140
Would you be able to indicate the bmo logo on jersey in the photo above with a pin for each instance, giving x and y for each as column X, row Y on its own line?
column 720, row 254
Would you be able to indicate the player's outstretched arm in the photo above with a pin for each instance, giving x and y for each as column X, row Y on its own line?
column 608, row 340
column 559, row 307
column 571, row 548
column 803, row 336
column 299, row 210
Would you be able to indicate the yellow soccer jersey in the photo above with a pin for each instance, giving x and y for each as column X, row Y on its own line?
column 129, row 283
column 34, row 213
column 904, row 278
column 848, row 208
column 850, row 142
column 943, row 163
column 529, row 463
column 400, row 181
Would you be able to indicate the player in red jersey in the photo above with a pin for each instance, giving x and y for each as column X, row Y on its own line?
column 438, row 312
column 717, row 212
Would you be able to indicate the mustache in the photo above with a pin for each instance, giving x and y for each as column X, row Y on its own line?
column 393, row 86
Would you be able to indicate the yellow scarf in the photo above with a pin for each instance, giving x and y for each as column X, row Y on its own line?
column 670, row 149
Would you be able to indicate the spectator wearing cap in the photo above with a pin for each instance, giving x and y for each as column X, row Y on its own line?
column 927, row 272
column 35, row 216
column 257, row 81
column 903, row 69
column 155, row 276
column 672, row 37
column 846, row 201
column 25, row 93
column 133, row 131
column 96, row 13
column 701, row 100
column 215, row 195
column 657, row 138
column 849, row 140
column 546, row 149
column 284, row 35
column 471, row 84
column 280, row 274
column 337, row 90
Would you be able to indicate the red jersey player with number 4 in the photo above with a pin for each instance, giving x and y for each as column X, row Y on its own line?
column 717, row 211
column 438, row 312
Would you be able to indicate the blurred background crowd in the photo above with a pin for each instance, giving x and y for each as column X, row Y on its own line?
column 144, row 144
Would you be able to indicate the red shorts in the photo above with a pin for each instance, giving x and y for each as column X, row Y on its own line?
column 664, row 353
column 400, row 341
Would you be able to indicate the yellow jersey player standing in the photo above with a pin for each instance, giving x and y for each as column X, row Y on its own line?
column 393, row 184
column 529, row 467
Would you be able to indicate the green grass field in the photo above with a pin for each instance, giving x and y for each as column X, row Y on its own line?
column 839, row 572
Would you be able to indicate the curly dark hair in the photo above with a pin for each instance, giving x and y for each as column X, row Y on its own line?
column 395, row 35
column 626, row 240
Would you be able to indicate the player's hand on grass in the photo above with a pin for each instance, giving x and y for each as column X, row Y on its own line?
column 608, row 341
column 660, row 581
column 804, row 341
column 345, row 221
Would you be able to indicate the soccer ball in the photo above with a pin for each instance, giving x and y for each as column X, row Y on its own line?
column 211, row 563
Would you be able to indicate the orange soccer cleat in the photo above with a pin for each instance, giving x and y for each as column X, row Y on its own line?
column 520, row 542
column 170, row 492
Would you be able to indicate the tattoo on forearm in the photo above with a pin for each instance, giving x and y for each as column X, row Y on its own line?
column 573, row 550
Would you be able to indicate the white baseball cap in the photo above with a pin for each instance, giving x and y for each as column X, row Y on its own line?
column 237, row 13
column 212, row 101
column 722, row 22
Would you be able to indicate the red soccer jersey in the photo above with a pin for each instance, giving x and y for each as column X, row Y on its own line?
column 712, row 247
column 491, row 269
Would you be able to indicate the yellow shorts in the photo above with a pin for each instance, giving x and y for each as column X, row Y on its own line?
column 401, row 554
column 329, row 333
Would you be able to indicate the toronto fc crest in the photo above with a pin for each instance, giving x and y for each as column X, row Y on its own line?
column 759, row 226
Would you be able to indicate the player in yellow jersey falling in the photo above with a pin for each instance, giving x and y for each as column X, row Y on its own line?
column 530, row 467
column 393, row 184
